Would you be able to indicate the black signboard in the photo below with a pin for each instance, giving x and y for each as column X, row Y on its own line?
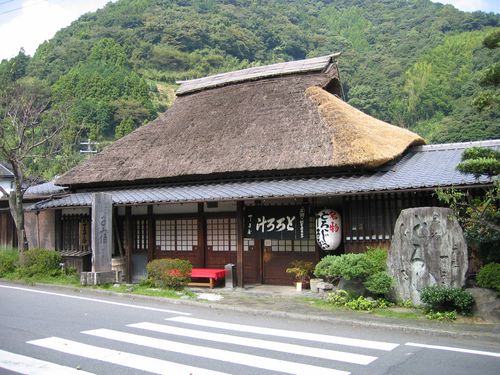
column 277, row 222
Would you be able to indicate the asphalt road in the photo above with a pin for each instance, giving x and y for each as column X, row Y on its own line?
column 48, row 331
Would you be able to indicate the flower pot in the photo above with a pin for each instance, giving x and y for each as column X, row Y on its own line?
column 298, row 285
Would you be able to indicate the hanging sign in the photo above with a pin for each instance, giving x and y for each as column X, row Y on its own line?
column 328, row 229
column 277, row 222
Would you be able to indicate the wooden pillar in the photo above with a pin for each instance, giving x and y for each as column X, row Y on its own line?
column 58, row 229
column 239, row 244
column 151, row 239
column 129, row 241
column 202, row 236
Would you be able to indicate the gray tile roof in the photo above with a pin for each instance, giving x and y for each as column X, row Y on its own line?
column 423, row 167
column 280, row 69
column 5, row 172
column 45, row 189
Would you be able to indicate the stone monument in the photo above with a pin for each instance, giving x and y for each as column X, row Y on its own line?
column 102, row 241
column 428, row 248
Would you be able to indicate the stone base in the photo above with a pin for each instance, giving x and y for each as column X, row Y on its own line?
column 98, row 278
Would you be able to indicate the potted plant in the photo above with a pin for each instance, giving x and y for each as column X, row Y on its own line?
column 302, row 271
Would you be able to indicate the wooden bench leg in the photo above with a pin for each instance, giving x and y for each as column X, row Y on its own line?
column 212, row 283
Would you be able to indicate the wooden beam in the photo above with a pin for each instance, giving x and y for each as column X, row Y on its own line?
column 151, row 239
column 129, row 241
column 239, row 243
column 202, row 237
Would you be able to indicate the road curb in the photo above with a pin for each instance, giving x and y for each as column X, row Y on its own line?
column 490, row 332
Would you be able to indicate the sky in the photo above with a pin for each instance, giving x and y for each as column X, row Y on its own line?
column 28, row 23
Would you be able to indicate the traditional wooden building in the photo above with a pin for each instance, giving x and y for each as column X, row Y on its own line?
column 236, row 170
column 7, row 227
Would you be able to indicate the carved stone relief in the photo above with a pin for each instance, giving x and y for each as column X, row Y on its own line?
column 428, row 248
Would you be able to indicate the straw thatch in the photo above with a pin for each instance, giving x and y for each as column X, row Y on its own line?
column 359, row 140
column 270, row 125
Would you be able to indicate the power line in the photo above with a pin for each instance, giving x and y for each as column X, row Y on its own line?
column 19, row 8
column 5, row 2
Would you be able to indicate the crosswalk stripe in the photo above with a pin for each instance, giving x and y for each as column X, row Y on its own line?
column 454, row 349
column 28, row 365
column 217, row 354
column 257, row 343
column 135, row 361
column 379, row 345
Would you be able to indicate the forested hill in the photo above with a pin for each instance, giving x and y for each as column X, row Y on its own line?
column 416, row 64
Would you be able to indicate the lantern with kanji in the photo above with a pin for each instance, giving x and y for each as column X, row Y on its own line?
column 328, row 229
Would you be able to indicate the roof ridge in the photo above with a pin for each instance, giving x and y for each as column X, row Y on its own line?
column 7, row 173
column 457, row 145
column 255, row 73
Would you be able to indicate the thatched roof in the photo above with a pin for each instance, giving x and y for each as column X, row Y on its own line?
column 273, row 124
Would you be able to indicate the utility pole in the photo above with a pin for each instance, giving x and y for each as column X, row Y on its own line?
column 89, row 149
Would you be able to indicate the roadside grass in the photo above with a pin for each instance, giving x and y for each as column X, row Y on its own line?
column 146, row 291
column 43, row 279
column 390, row 312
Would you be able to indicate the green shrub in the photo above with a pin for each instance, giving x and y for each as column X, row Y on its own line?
column 169, row 273
column 361, row 303
column 406, row 303
column 489, row 276
column 9, row 260
column 40, row 262
column 441, row 298
column 444, row 315
column 379, row 283
column 369, row 268
column 339, row 297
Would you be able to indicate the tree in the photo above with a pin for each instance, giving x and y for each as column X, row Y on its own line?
column 478, row 215
column 23, row 135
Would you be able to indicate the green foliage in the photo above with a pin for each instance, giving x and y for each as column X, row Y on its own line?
column 442, row 315
column 379, row 283
column 441, row 298
column 125, row 127
column 360, row 303
column 492, row 40
column 369, row 267
column 9, row 260
column 407, row 303
column 40, row 262
column 302, row 270
column 478, row 215
column 416, row 64
column 489, row 276
column 480, row 166
column 342, row 298
column 339, row 297
column 169, row 273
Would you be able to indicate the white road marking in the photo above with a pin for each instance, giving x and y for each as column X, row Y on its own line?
column 139, row 362
column 32, row 366
column 216, row 354
column 334, row 355
column 97, row 300
column 379, row 345
column 453, row 349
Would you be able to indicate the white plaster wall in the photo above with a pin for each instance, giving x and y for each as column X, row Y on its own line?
column 176, row 208
column 139, row 210
column 222, row 207
column 76, row 211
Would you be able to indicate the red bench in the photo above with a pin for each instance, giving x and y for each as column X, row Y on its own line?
column 212, row 274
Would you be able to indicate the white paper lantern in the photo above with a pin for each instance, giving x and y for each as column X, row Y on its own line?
column 328, row 229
